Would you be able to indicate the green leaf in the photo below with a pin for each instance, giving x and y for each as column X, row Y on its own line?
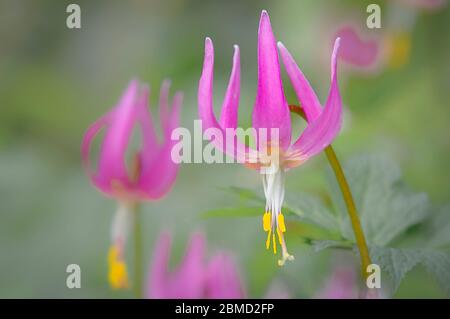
column 438, row 264
column 310, row 208
column 438, row 230
column 234, row 212
column 386, row 207
column 319, row 245
column 244, row 193
column 397, row 262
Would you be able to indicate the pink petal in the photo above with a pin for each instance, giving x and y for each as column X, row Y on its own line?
column 305, row 93
column 320, row 133
column 341, row 285
column 223, row 280
column 157, row 283
column 112, row 156
column 229, row 115
column 205, row 88
column 271, row 109
column 159, row 173
column 188, row 281
column 356, row 51
column 149, row 141
column 90, row 134
column 230, row 105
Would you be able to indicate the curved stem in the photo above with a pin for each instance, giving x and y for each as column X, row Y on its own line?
column 137, row 254
column 351, row 209
column 348, row 198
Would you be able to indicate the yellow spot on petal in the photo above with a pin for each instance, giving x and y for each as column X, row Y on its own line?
column 117, row 275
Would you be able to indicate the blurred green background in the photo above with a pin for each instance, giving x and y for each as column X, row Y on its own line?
column 54, row 82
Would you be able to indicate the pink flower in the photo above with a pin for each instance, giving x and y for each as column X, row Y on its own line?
column 152, row 172
column 194, row 278
column 271, row 111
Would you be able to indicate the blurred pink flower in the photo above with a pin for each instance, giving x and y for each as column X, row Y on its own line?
column 194, row 277
column 150, row 175
column 270, row 111
column 343, row 284
column 153, row 172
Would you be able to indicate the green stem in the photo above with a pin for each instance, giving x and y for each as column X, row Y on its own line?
column 137, row 231
column 348, row 198
column 351, row 209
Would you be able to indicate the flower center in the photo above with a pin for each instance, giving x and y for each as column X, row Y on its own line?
column 273, row 219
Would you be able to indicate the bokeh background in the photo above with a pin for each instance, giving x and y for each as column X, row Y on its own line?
column 54, row 82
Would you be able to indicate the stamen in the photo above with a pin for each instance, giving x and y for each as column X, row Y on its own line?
column 118, row 275
column 274, row 245
column 268, row 239
column 266, row 221
column 284, row 253
column 281, row 224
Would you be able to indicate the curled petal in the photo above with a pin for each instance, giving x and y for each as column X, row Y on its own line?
column 188, row 282
column 230, row 105
column 112, row 155
column 355, row 50
column 174, row 116
column 205, row 88
column 320, row 133
column 158, row 175
column 150, row 145
column 119, row 123
column 229, row 115
column 305, row 93
column 90, row 134
column 271, row 109
column 222, row 279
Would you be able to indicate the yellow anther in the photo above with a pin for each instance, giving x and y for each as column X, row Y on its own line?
column 266, row 221
column 281, row 224
column 117, row 275
column 400, row 49
column 274, row 245
column 268, row 239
